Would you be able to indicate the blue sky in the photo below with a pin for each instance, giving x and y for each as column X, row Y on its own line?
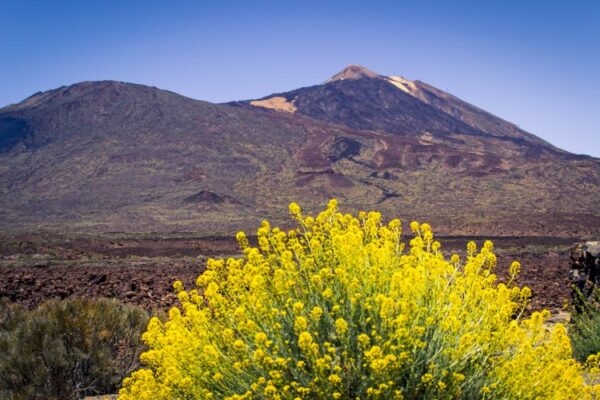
column 534, row 63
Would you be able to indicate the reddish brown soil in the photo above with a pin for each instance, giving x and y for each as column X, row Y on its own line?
column 141, row 271
column 546, row 275
column 147, row 285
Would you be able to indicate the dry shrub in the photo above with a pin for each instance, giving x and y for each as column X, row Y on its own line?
column 68, row 349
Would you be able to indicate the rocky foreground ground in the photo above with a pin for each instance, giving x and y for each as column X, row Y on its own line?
column 141, row 269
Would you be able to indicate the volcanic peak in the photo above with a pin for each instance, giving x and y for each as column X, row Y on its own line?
column 353, row 71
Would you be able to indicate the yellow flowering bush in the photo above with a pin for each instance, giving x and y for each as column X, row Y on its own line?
column 340, row 308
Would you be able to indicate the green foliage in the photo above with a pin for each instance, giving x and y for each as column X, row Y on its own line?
column 68, row 349
column 585, row 328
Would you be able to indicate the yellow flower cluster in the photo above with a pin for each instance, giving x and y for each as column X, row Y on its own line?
column 340, row 309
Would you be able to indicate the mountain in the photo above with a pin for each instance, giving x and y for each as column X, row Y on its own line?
column 363, row 100
column 114, row 156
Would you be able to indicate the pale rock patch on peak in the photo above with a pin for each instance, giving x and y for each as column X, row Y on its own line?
column 426, row 138
column 277, row 103
column 406, row 86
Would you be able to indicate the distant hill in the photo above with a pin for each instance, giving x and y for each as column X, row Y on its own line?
column 114, row 156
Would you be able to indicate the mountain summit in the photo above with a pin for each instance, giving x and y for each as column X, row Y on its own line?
column 353, row 72
column 364, row 100
column 114, row 156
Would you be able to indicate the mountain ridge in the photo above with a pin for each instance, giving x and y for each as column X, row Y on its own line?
column 115, row 156
column 439, row 100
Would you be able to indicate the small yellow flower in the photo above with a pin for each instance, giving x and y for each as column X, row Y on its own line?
column 334, row 379
column 260, row 338
column 305, row 341
column 239, row 345
column 514, row 269
column 300, row 324
column 298, row 307
column 364, row 340
column 414, row 226
column 341, row 326
column 316, row 313
column 178, row 286
column 295, row 209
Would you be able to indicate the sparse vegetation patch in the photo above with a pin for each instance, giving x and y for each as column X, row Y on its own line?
column 585, row 328
column 68, row 349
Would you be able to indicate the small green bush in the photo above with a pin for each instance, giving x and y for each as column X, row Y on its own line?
column 68, row 349
column 585, row 327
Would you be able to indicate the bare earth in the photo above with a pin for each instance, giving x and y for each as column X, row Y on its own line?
column 141, row 270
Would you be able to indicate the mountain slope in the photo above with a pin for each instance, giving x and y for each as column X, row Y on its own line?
column 361, row 99
column 131, row 157
column 113, row 156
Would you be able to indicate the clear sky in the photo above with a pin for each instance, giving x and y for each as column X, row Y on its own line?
column 534, row 63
